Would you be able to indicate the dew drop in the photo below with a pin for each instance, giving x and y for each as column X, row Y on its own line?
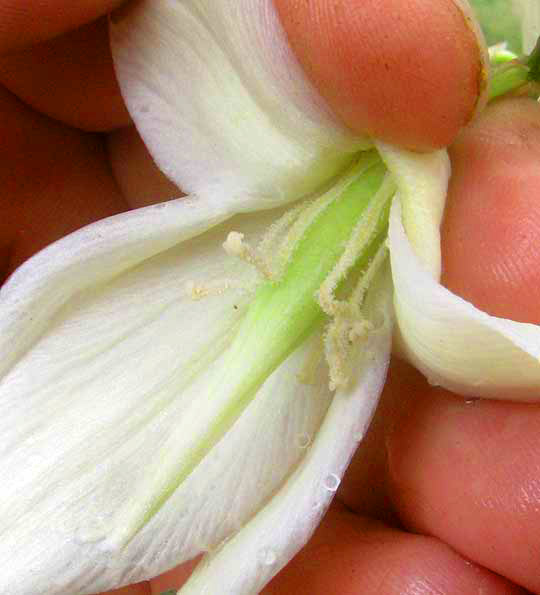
column 267, row 557
column 471, row 401
column 331, row 482
column 303, row 441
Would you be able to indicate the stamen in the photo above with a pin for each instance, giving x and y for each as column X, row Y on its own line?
column 338, row 340
column 267, row 246
column 234, row 245
column 314, row 209
column 213, row 288
column 349, row 325
column 362, row 236
column 366, row 279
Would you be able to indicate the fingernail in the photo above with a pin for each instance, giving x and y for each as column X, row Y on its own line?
column 474, row 27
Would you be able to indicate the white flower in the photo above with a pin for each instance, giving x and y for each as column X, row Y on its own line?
column 129, row 439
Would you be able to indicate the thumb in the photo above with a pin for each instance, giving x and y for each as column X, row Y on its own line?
column 407, row 71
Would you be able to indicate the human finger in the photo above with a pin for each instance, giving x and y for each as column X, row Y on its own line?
column 349, row 555
column 137, row 176
column 467, row 472
column 69, row 78
column 28, row 22
column 54, row 180
column 491, row 247
column 406, row 71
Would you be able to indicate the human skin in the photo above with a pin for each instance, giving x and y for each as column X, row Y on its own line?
column 443, row 495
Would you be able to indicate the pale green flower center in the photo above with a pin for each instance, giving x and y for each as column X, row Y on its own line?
column 318, row 261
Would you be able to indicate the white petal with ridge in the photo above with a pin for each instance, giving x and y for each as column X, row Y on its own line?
column 221, row 102
column 422, row 181
column 454, row 344
column 247, row 562
column 111, row 348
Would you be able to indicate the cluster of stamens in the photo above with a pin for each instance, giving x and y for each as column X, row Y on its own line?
column 347, row 324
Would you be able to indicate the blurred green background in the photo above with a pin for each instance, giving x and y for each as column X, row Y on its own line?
column 499, row 22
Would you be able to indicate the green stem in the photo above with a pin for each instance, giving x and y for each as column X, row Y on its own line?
column 533, row 63
column 515, row 75
column 507, row 79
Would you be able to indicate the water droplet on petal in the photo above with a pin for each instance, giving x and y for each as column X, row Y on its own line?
column 471, row 401
column 303, row 440
column 267, row 557
column 331, row 482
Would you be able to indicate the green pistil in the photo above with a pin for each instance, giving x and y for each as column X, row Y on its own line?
column 283, row 314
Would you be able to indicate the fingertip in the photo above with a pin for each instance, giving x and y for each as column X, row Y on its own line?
column 466, row 473
column 25, row 23
column 350, row 555
column 55, row 180
column 408, row 72
column 491, row 230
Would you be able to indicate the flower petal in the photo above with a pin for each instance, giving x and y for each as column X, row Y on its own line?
column 529, row 11
column 110, row 350
column 422, row 181
column 221, row 102
column 246, row 562
column 90, row 257
column 453, row 343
